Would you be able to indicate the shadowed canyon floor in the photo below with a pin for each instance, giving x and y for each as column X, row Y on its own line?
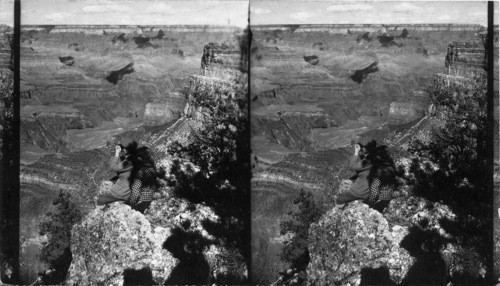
column 316, row 87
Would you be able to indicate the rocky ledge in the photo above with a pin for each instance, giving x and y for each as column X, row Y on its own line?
column 346, row 242
column 119, row 245
column 108, row 244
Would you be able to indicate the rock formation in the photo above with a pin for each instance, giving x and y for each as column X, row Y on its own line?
column 349, row 241
column 408, row 109
column 111, row 244
column 105, row 245
column 165, row 110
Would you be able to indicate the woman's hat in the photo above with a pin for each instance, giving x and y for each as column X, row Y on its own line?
column 128, row 144
column 369, row 144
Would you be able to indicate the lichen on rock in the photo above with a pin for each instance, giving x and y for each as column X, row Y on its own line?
column 108, row 243
column 348, row 240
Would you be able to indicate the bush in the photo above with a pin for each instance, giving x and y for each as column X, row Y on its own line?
column 296, row 226
column 452, row 167
column 57, row 226
column 458, row 139
column 220, row 153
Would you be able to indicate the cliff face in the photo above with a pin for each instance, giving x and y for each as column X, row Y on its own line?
column 464, row 60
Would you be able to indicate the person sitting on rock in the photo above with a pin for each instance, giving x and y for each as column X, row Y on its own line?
column 122, row 163
column 143, row 182
column 361, row 164
column 382, row 179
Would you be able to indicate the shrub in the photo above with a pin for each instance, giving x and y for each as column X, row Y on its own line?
column 57, row 226
column 452, row 167
column 296, row 225
column 458, row 140
column 220, row 153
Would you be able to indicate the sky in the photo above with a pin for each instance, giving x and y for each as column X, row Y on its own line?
column 368, row 12
column 235, row 12
column 7, row 12
column 134, row 12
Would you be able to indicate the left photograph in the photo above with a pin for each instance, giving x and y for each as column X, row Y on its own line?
column 8, row 146
column 134, row 155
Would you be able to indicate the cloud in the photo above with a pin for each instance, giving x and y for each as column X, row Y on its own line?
column 106, row 8
column 260, row 11
column 445, row 17
column 349, row 7
column 406, row 7
column 302, row 16
column 58, row 16
column 159, row 8
column 479, row 14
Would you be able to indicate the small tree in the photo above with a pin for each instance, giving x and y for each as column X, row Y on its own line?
column 296, row 224
column 457, row 145
column 220, row 149
column 57, row 226
column 458, row 141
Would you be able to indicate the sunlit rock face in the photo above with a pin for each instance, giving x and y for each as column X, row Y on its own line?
column 165, row 110
column 350, row 241
column 105, row 245
column 408, row 109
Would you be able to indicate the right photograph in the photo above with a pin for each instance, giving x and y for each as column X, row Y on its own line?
column 372, row 143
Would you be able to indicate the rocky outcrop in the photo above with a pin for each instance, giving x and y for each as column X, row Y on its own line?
column 170, row 244
column 190, row 230
column 409, row 109
column 106, row 246
column 465, row 58
column 349, row 242
column 165, row 110
column 219, row 56
column 5, row 47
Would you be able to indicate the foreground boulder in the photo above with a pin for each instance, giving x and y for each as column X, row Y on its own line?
column 351, row 243
column 114, row 245
column 195, row 242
